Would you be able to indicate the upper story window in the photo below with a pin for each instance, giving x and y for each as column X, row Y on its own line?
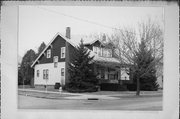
column 95, row 49
column 63, row 52
column 49, row 53
column 109, row 53
column 55, row 60
column 103, row 52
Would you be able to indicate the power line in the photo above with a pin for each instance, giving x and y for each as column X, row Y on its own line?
column 84, row 20
column 80, row 19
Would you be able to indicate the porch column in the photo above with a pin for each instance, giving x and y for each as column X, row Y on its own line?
column 106, row 73
column 119, row 76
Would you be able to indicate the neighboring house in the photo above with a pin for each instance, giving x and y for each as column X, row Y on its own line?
column 51, row 66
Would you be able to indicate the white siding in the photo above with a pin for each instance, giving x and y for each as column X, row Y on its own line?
column 54, row 74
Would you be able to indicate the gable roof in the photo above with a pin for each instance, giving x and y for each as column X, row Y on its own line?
column 96, row 57
column 90, row 43
column 58, row 34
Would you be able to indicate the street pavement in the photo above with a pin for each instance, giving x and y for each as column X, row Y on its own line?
column 79, row 101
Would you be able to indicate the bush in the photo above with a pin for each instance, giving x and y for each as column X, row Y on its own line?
column 112, row 87
column 73, row 89
column 20, row 78
column 57, row 85
column 143, row 87
column 149, row 87
column 131, row 87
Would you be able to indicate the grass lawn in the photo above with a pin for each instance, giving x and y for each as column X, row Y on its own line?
column 39, row 88
column 113, row 93
column 44, row 94
column 124, row 92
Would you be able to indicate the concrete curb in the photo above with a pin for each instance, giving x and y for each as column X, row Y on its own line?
column 49, row 92
column 74, row 96
column 77, row 96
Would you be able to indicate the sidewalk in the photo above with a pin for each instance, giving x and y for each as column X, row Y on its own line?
column 101, row 95
column 63, row 95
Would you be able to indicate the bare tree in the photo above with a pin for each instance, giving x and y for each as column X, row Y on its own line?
column 128, row 41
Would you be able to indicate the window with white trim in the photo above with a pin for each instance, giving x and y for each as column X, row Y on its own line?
column 45, row 74
column 62, row 71
column 49, row 53
column 101, row 54
column 95, row 49
column 109, row 53
column 63, row 52
column 55, row 60
column 105, row 52
column 37, row 73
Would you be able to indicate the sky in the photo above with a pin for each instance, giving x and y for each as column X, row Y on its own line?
column 39, row 24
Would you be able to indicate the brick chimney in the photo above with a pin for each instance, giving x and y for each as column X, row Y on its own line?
column 104, row 38
column 68, row 32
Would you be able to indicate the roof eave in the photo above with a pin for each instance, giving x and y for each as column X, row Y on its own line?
column 66, row 39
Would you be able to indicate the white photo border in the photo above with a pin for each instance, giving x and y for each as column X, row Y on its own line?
column 9, row 37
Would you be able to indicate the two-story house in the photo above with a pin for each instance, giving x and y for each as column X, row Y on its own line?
column 51, row 66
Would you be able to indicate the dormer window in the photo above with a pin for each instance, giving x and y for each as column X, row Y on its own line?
column 109, row 53
column 62, row 52
column 49, row 53
column 102, row 52
column 105, row 52
column 95, row 49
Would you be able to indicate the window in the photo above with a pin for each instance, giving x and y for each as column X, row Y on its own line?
column 109, row 53
column 62, row 72
column 45, row 74
column 55, row 60
column 101, row 52
column 95, row 49
column 63, row 52
column 105, row 52
column 102, row 73
column 37, row 73
column 49, row 53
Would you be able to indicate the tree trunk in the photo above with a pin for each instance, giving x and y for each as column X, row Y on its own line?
column 138, row 87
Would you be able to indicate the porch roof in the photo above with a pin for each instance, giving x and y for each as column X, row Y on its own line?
column 108, row 62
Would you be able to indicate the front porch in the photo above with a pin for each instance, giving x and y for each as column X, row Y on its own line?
column 111, row 72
